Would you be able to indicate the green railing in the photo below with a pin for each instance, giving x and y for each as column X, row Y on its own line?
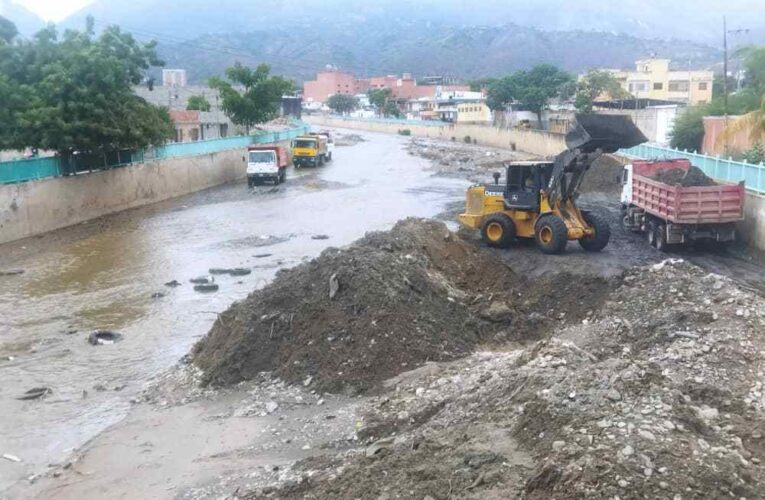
column 54, row 166
column 728, row 170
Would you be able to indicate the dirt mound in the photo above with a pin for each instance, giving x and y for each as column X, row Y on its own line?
column 604, row 176
column 659, row 394
column 353, row 317
column 342, row 140
column 694, row 176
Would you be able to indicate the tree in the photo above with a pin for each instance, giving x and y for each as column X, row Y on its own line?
column 390, row 109
column 343, row 103
column 594, row 84
column 198, row 103
column 8, row 30
column 688, row 131
column 378, row 98
column 260, row 99
column 531, row 90
column 754, row 63
column 76, row 94
column 481, row 83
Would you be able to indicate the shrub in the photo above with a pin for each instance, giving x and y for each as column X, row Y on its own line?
column 467, row 139
column 405, row 131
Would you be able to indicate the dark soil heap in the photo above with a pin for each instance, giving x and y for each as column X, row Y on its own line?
column 692, row 177
column 357, row 316
column 604, row 176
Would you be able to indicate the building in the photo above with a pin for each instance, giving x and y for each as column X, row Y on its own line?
column 461, row 106
column 199, row 125
column 174, row 77
column 653, row 79
column 403, row 88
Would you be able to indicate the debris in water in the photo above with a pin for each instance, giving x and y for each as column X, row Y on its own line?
column 235, row 271
column 319, row 237
column 206, row 287
column 104, row 337
column 202, row 280
column 12, row 458
column 173, row 284
column 157, row 295
column 11, row 272
column 263, row 255
column 35, row 393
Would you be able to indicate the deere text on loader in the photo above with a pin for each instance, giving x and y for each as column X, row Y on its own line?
column 538, row 199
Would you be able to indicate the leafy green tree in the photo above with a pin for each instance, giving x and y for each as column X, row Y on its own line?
column 754, row 62
column 532, row 89
column 379, row 98
column 391, row 110
column 198, row 103
column 260, row 99
column 343, row 103
column 594, row 84
column 688, row 131
column 8, row 30
column 75, row 94
column 481, row 83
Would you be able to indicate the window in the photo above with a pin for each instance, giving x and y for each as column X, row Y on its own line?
column 702, row 85
column 679, row 86
column 261, row 157
column 658, row 86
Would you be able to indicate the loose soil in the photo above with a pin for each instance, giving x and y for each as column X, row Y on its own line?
column 390, row 302
column 694, row 176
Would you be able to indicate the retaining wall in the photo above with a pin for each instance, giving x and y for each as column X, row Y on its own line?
column 35, row 207
column 535, row 142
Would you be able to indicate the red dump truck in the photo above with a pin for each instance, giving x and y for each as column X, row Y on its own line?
column 657, row 201
column 266, row 163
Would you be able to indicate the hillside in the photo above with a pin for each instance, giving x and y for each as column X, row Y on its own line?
column 26, row 21
column 421, row 47
column 700, row 20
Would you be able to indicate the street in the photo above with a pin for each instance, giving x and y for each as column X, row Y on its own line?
column 109, row 274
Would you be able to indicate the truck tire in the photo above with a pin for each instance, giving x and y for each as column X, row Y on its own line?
column 498, row 231
column 599, row 240
column 551, row 234
column 661, row 238
column 283, row 175
column 329, row 157
column 650, row 233
column 320, row 160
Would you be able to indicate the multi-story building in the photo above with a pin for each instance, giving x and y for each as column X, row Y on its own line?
column 174, row 77
column 652, row 79
column 403, row 88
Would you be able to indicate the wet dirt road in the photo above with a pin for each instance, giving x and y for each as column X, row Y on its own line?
column 102, row 275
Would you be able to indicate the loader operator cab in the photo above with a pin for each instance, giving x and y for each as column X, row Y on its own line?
column 525, row 181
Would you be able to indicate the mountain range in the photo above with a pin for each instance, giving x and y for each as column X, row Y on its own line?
column 461, row 38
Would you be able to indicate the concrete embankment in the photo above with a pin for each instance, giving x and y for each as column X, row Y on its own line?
column 539, row 143
column 535, row 142
column 32, row 208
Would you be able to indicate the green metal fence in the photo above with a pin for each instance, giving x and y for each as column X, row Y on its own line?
column 54, row 166
column 753, row 175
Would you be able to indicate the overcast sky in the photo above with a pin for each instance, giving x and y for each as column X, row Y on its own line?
column 53, row 10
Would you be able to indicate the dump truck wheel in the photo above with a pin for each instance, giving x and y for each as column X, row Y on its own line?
column 599, row 240
column 551, row 234
column 661, row 238
column 650, row 233
column 498, row 231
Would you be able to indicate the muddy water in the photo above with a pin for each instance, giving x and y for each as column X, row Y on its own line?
column 102, row 275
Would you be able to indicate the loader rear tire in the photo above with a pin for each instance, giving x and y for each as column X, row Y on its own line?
column 551, row 234
column 599, row 240
column 498, row 231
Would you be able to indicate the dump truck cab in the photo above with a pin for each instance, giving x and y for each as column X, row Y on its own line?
column 266, row 163
column 309, row 151
column 538, row 198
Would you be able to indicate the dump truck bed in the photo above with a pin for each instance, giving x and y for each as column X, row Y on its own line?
column 281, row 153
column 718, row 204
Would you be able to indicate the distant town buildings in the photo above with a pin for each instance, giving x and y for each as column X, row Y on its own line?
column 652, row 79
column 403, row 88
column 174, row 77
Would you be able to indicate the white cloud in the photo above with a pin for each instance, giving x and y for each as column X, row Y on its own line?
column 54, row 10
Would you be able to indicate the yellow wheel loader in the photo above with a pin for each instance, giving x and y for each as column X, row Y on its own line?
column 538, row 199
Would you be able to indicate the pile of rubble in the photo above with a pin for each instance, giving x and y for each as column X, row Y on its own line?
column 657, row 394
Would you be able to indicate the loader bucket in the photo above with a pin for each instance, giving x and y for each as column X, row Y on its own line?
column 606, row 132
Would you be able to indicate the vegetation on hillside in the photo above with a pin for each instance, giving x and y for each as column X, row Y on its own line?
column 74, row 93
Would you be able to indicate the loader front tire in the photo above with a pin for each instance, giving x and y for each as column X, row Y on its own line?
column 551, row 234
column 599, row 240
column 498, row 230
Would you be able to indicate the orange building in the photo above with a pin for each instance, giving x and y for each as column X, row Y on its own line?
column 714, row 144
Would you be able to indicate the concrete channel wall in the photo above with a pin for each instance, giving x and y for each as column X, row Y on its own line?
column 751, row 230
column 538, row 143
column 35, row 207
